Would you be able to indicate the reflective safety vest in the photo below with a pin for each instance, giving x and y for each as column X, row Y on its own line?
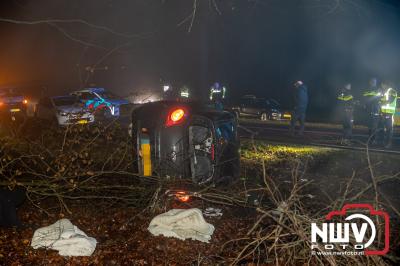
column 346, row 100
column 389, row 101
column 372, row 93
column 345, row 97
column 217, row 93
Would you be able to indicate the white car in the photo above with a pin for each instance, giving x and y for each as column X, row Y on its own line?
column 65, row 110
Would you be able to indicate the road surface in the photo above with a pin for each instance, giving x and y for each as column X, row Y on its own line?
column 328, row 135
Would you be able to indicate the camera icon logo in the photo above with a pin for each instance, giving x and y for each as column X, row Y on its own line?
column 357, row 232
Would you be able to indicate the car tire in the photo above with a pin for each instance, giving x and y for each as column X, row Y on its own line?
column 264, row 116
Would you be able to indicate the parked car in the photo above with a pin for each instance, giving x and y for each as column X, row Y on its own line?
column 185, row 139
column 63, row 110
column 264, row 109
column 98, row 100
column 13, row 104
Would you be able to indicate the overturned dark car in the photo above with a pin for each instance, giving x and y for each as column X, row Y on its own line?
column 185, row 139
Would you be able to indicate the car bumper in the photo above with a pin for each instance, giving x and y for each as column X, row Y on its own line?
column 74, row 120
column 286, row 116
column 13, row 108
column 275, row 116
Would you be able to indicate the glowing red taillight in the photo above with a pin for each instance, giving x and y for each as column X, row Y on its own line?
column 182, row 196
column 176, row 116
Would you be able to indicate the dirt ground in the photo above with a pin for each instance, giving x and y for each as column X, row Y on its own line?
column 122, row 238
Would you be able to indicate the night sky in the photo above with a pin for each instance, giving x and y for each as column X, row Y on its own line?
column 255, row 47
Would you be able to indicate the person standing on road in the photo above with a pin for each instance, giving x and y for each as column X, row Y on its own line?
column 346, row 103
column 372, row 97
column 384, row 101
column 217, row 95
column 300, row 107
column 388, row 102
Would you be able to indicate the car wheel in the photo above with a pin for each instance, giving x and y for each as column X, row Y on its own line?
column 264, row 117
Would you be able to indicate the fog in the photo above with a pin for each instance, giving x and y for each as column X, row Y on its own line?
column 257, row 47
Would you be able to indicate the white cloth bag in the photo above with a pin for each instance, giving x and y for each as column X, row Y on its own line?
column 182, row 224
column 64, row 237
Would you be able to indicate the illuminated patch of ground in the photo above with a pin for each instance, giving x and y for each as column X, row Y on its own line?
column 260, row 150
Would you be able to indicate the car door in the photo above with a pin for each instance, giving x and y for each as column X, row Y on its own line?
column 260, row 106
column 247, row 106
column 253, row 107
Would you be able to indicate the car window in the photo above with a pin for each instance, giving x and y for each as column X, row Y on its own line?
column 260, row 103
column 273, row 104
column 107, row 95
column 86, row 96
column 248, row 102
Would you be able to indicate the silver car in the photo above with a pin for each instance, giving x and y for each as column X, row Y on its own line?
column 64, row 110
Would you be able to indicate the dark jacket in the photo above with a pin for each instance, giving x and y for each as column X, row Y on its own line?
column 301, row 99
column 372, row 98
column 346, row 100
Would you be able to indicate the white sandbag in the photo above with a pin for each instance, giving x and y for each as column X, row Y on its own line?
column 64, row 237
column 182, row 224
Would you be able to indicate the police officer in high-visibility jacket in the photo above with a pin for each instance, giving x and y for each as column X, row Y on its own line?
column 388, row 103
column 217, row 95
column 386, row 98
column 372, row 98
column 346, row 103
